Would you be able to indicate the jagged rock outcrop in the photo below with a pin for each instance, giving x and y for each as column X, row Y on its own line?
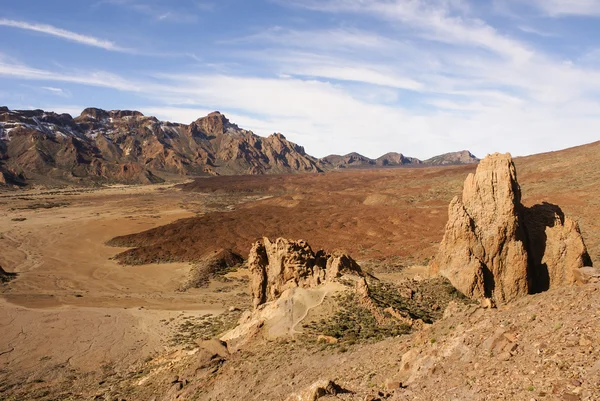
column 496, row 248
column 287, row 280
column 276, row 266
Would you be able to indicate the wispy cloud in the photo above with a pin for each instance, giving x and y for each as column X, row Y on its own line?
column 156, row 12
column 538, row 32
column 558, row 8
column 57, row 91
column 65, row 34
column 10, row 68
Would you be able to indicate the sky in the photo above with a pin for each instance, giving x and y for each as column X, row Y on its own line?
column 419, row 77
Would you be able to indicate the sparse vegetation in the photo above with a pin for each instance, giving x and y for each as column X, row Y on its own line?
column 354, row 323
column 205, row 327
column 44, row 205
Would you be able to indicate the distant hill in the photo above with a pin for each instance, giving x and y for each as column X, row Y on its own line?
column 462, row 157
column 393, row 159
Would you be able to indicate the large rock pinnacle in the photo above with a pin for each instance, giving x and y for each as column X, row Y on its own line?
column 496, row 248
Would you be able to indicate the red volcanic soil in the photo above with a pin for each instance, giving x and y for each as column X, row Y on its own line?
column 392, row 215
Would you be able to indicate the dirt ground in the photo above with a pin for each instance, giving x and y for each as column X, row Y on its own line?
column 73, row 312
column 76, row 323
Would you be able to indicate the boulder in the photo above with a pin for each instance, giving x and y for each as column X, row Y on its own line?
column 495, row 248
column 316, row 390
column 5, row 276
column 278, row 265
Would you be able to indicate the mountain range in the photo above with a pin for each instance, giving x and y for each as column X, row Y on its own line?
column 123, row 146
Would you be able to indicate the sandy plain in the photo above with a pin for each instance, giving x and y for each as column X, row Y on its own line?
column 73, row 310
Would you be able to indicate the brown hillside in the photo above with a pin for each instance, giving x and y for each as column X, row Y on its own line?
column 392, row 215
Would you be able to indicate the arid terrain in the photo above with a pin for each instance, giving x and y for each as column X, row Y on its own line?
column 96, row 310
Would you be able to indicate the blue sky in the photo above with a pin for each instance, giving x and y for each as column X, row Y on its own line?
column 420, row 77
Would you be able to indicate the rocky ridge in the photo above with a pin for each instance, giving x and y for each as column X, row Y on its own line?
column 126, row 146
column 495, row 248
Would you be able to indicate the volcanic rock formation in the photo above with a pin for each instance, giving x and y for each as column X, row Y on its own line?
column 496, row 248
column 276, row 266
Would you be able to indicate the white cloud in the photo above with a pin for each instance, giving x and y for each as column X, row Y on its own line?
column 52, row 89
column 538, row 32
column 157, row 12
column 558, row 8
column 435, row 20
column 57, row 91
column 64, row 34
column 9, row 68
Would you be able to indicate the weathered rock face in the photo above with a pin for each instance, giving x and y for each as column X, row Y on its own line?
column 276, row 266
column 556, row 248
column 496, row 248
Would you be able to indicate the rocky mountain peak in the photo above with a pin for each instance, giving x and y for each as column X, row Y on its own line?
column 214, row 123
column 278, row 136
column 496, row 248
column 95, row 113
